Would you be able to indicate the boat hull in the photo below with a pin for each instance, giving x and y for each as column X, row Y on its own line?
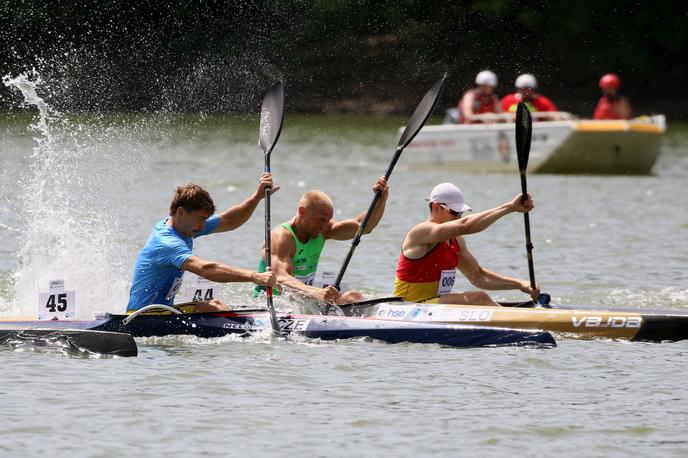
column 68, row 337
column 633, row 325
column 616, row 149
column 249, row 322
column 572, row 146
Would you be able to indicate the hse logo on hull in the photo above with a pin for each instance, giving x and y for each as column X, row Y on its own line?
column 610, row 322
column 391, row 312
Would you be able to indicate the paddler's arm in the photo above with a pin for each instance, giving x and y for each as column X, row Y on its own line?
column 346, row 229
column 224, row 273
column 428, row 233
column 486, row 279
column 237, row 215
column 283, row 248
column 466, row 105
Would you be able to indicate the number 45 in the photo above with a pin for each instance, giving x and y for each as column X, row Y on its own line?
column 59, row 305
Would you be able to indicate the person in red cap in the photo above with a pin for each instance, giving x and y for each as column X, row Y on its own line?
column 612, row 105
column 433, row 250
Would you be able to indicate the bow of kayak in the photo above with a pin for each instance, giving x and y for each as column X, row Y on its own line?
column 60, row 335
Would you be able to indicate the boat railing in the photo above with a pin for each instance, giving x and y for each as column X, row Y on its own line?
column 452, row 117
column 656, row 119
column 553, row 116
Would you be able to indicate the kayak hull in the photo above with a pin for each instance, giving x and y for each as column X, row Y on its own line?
column 249, row 322
column 37, row 334
column 632, row 325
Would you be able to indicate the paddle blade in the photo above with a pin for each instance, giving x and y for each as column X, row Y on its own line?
column 271, row 115
column 422, row 113
column 524, row 130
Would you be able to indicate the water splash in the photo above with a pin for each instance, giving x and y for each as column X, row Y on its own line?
column 27, row 83
column 65, row 234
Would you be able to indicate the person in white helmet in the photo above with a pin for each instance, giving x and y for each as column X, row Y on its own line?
column 433, row 250
column 481, row 99
column 526, row 85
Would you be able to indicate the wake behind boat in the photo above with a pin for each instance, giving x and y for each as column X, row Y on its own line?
column 560, row 144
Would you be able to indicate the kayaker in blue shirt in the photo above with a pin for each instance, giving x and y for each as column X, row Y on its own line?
column 167, row 254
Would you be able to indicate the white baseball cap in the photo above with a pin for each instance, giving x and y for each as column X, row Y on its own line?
column 449, row 195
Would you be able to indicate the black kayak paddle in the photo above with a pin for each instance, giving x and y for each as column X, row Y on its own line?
column 271, row 117
column 524, row 131
column 418, row 119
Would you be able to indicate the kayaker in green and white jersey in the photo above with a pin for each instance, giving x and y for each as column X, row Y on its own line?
column 296, row 245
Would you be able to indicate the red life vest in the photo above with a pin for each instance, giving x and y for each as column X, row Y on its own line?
column 481, row 103
column 605, row 109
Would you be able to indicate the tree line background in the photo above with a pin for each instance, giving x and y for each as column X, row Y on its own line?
column 355, row 56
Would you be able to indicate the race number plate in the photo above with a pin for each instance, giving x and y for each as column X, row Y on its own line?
column 57, row 304
column 306, row 279
column 327, row 278
column 201, row 290
column 447, row 280
column 174, row 289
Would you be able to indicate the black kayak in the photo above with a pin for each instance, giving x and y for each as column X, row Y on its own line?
column 50, row 334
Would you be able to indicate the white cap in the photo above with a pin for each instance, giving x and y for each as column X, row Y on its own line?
column 449, row 195
column 526, row 80
column 487, row 78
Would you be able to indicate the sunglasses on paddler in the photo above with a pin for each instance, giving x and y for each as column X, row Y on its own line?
column 454, row 213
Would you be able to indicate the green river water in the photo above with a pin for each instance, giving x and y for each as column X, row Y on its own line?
column 81, row 206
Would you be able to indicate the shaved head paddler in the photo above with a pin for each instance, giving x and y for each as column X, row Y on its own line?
column 296, row 244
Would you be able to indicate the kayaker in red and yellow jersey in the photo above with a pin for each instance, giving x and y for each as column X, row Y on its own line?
column 479, row 100
column 612, row 105
column 526, row 85
column 296, row 245
column 434, row 249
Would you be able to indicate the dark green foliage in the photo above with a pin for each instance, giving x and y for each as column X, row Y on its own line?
column 336, row 54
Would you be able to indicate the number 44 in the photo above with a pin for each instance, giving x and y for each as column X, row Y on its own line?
column 199, row 296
